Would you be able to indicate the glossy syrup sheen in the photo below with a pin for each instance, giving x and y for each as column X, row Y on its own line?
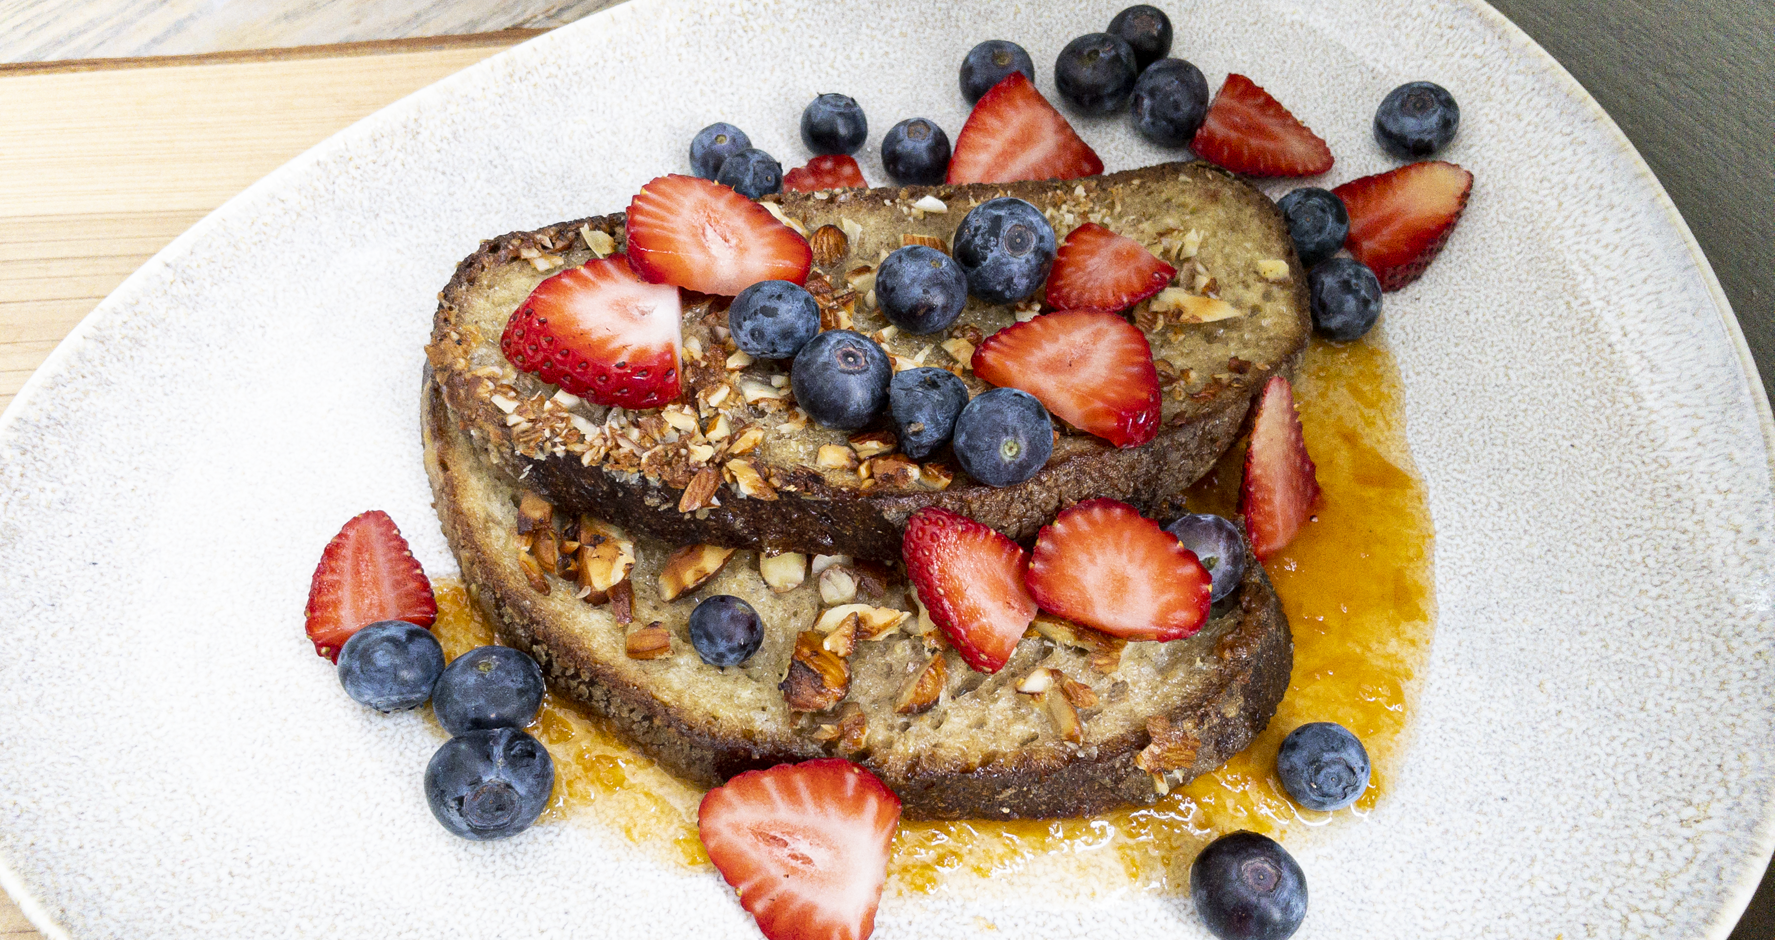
column 1355, row 583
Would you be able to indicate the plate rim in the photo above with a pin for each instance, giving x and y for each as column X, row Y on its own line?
column 1737, row 899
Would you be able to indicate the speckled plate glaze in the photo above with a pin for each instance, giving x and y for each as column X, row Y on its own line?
column 1593, row 748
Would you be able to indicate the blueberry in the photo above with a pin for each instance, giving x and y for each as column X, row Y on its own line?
column 1170, row 100
column 1147, row 30
column 488, row 687
column 1416, row 119
column 1006, row 248
column 1345, row 298
column 834, row 124
column 390, row 666
column 751, row 173
column 841, row 379
column 1247, row 887
column 925, row 403
column 725, row 630
column 1219, row 546
column 1323, row 766
column 1318, row 223
column 992, row 62
column 1003, row 436
column 489, row 784
column 713, row 145
column 915, row 152
column 1096, row 72
column 920, row 289
column 773, row 319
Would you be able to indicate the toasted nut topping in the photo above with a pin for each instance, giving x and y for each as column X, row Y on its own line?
column 1273, row 269
column 534, row 513
column 785, row 572
column 748, row 440
column 1171, row 748
column 925, row 689
column 842, row 641
column 873, row 443
column 700, row 453
column 504, row 403
column 719, row 395
column 850, row 730
column 829, row 244
column 935, row 476
column 1039, row 680
column 861, row 279
column 718, row 429
column 873, row 623
column 750, row 484
column 837, row 586
column 817, row 679
column 739, row 360
column 1078, row 693
column 605, row 555
column 622, row 602
column 853, row 230
column 1191, row 308
column 754, row 389
column 679, row 420
column 960, row 350
column 693, row 349
column 1191, row 244
column 784, row 218
column 1105, row 650
column 700, row 494
column 533, row 573
column 601, row 244
column 650, row 642
column 689, row 567
column 837, row 457
column 929, row 241
column 822, row 562
column 894, row 470
column 1066, row 718
column 547, row 550
column 564, row 398
column 931, row 203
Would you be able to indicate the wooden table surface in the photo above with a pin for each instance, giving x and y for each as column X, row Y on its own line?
column 161, row 142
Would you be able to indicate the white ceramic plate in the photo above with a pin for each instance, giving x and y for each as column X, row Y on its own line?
column 1593, row 747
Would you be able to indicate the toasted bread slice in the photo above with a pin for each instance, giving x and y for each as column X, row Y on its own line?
column 1118, row 723
column 735, row 463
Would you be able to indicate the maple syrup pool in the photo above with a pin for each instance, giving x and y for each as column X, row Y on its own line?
column 1356, row 584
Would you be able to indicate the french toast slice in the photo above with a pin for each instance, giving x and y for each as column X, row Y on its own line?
column 735, row 463
column 1118, row 723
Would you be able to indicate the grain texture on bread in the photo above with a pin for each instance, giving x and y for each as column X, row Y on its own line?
column 737, row 464
column 1162, row 714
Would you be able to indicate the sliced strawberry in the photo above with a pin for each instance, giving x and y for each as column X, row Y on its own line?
column 827, row 171
column 704, row 236
column 600, row 332
column 805, row 845
column 1247, row 131
column 1280, row 486
column 1093, row 369
column 1104, row 565
column 1400, row 219
column 1095, row 267
column 970, row 580
column 366, row 574
column 1014, row 134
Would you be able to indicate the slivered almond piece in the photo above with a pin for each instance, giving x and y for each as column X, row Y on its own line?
column 837, row 457
column 925, row 689
column 1191, row 308
column 861, row 279
column 1105, row 650
column 837, row 586
column 622, row 602
column 605, row 555
column 534, row 513
column 689, row 567
column 650, row 642
column 1066, row 718
column 785, row 572
column 935, row 476
column 700, row 493
column 547, row 551
column 894, row 470
column 1039, row 680
column 930, row 203
column 960, row 350
column 533, row 572
column 600, row 243
column 750, row 484
column 874, row 443
column 1273, row 269
column 843, row 640
column 929, row 241
column 849, row 729
column 822, row 562
column 747, row 441
column 817, row 679
column 874, row 623
column 1078, row 693
column 719, row 429
column 739, row 360
column 785, row 218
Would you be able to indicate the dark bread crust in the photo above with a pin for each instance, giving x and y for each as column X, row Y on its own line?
column 1246, row 674
column 811, row 514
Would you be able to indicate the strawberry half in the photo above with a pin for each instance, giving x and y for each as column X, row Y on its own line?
column 366, row 574
column 1280, row 485
column 1012, row 134
column 1091, row 368
column 827, row 171
column 970, row 580
column 701, row 235
column 805, row 845
column 1400, row 219
column 1095, row 267
column 1247, row 131
column 1105, row 565
column 600, row 332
